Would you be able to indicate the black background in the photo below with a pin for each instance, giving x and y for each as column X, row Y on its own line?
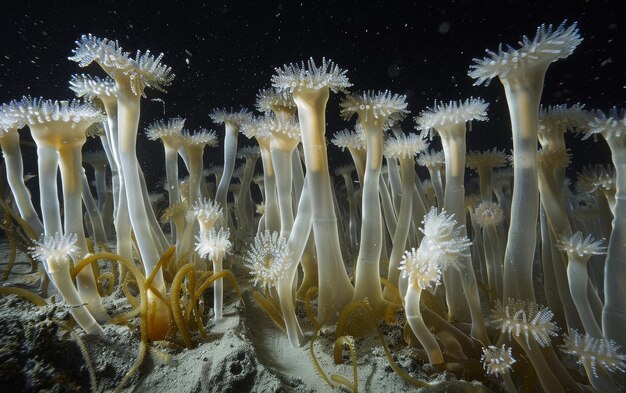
column 223, row 52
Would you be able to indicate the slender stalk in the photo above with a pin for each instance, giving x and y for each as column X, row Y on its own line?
column 297, row 242
column 335, row 289
column 423, row 334
column 230, row 155
column 59, row 270
column 10, row 143
column 218, row 287
column 453, row 142
column 71, row 175
column 128, row 119
column 578, row 281
column 47, row 168
column 352, row 223
column 171, row 172
column 244, row 211
column 95, row 218
column 271, row 217
column 523, row 95
column 614, row 311
column 404, row 220
column 282, row 147
column 367, row 281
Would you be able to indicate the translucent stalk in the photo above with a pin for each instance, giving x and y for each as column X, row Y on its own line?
column 296, row 244
column 435, row 178
column 352, row 224
column 271, row 217
column 230, row 155
column 389, row 213
column 404, row 220
column 171, row 172
column 335, row 289
column 128, row 119
column 578, row 281
column 298, row 177
column 92, row 210
column 99, row 172
column 281, row 148
column 414, row 319
column 508, row 382
column 110, row 204
column 110, row 145
column 218, row 287
column 560, row 226
column 47, row 168
column 453, row 142
column 523, row 95
column 10, row 143
column 367, row 278
column 614, row 312
column 59, row 271
column 395, row 184
column 157, row 233
column 71, row 176
column 246, row 220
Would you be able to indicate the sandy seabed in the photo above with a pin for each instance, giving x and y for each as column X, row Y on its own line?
column 244, row 352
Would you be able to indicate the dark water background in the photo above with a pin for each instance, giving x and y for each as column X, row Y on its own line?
column 223, row 52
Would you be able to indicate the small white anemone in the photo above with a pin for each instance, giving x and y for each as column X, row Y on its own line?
column 525, row 318
column 298, row 76
column 555, row 120
column 494, row 158
column 547, row 46
column 268, row 100
column 214, row 244
column 177, row 210
column 580, row 246
column 55, row 247
column 488, row 214
column 257, row 127
column 497, row 360
column 594, row 351
column 206, row 212
column 443, row 238
column 349, row 139
column 382, row 104
column 221, row 116
column 432, row 159
column 422, row 272
column 558, row 157
column 9, row 120
column 40, row 111
column 249, row 152
column 165, row 129
column 405, row 146
column 145, row 70
column 199, row 137
column 453, row 112
column 595, row 177
column 609, row 126
column 289, row 128
column 91, row 87
column 268, row 259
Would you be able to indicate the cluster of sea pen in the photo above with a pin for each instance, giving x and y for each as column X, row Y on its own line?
column 307, row 226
